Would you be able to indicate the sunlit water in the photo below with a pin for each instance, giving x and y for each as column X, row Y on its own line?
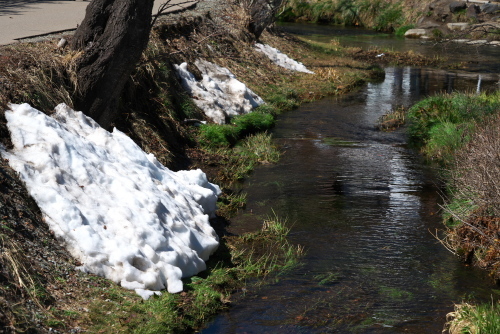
column 365, row 207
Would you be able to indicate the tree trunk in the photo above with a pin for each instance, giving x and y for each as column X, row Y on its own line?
column 113, row 35
column 263, row 14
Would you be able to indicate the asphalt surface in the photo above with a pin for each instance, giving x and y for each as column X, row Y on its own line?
column 22, row 19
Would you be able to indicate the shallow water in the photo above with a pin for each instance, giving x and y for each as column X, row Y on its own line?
column 365, row 207
column 475, row 58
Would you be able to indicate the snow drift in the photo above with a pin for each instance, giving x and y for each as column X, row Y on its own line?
column 219, row 94
column 119, row 211
column 281, row 59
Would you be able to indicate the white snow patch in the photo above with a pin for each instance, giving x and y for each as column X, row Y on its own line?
column 281, row 59
column 219, row 94
column 120, row 212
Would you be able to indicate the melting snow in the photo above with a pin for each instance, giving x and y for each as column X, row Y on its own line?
column 281, row 59
column 219, row 94
column 120, row 212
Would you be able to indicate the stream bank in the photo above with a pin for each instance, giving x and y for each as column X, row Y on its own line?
column 365, row 206
column 40, row 289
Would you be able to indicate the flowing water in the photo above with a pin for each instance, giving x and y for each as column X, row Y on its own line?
column 365, row 207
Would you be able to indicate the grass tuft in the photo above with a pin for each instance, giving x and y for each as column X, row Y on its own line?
column 474, row 319
column 393, row 119
column 442, row 124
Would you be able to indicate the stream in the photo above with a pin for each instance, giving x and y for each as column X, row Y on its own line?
column 364, row 206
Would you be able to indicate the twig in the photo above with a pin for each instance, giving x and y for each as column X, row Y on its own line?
column 163, row 7
column 468, row 224
column 444, row 243
column 197, row 43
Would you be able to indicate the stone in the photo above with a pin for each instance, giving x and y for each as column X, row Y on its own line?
column 489, row 8
column 478, row 42
column 457, row 6
column 62, row 43
column 441, row 9
column 457, row 26
column 428, row 23
column 416, row 33
column 472, row 11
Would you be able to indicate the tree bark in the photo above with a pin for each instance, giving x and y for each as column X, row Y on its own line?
column 113, row 35
column 263, row 14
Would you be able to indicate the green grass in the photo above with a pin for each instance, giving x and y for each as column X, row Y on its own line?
column 445, row 138
column 281, row 99
column 475, row 319
column 238, row 161
column 263, row 253
column 230, row 202
column 403, row 29
column 225, row 135
column 442, row 124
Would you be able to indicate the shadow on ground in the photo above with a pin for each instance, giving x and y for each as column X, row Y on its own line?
column 17, row 7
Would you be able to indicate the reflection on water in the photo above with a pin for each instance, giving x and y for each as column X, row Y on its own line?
column 364, row 206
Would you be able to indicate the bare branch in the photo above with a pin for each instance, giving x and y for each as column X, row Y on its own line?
column 167, row 5
column 197, row 43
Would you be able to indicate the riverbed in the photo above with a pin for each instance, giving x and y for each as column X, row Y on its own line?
column 366, row 208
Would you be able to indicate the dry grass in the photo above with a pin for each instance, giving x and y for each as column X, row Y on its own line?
column 379, row 14
column 456, row 323
column 476, row 192
column 40, row 74
column 473, row 319
column 393, row 119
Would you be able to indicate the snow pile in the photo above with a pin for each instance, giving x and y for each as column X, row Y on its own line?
column 120, row 212
column 219, row 94
column 281, row 59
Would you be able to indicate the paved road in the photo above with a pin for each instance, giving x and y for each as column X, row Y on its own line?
column 26, row 18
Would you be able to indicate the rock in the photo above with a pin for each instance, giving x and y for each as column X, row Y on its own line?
column 496, row 43
column 62, row 43
column 457, row 6
column 428, row 23
column 441, row 9
column 472, row 11
column 478, row 42
column 489, row 8
column 457, row 26
column 416, row 33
